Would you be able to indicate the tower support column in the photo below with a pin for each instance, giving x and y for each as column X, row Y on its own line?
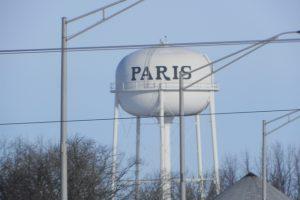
column 165, row 165
column 214, row 140
column 115, row 145
column 137, row 158
column 199, row 156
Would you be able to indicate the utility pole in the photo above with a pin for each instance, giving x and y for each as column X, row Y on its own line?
column 64, row 75
column 265, row 133
column 264, row 164
column 63, row 112
column 182, row 139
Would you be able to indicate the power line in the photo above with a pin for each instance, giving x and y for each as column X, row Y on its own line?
column 140, row 46
column 133, row 117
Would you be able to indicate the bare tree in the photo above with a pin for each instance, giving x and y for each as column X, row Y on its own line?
column 229, row 172
column 246, row 163
column 280, row 170
column 152, row 188
column 32, row 171
column 296, row 183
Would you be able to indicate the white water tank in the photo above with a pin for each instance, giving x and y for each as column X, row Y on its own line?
column 141, row 74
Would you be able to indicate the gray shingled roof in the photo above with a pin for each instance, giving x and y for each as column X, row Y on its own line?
column 250, row 188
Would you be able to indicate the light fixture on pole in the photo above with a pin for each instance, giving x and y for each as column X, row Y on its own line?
column 63, row 109
column 244, row 51
column 265, row 133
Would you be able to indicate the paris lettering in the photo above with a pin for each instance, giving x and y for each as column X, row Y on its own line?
column 161, row 73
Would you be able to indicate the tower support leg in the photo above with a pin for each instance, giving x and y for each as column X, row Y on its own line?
column 115, row 145
column 214, row 141
column 167, row 158
column 137, row 158
column 165, row 151
column 199, row 156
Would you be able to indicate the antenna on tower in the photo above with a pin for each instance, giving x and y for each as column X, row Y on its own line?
column 164, row 40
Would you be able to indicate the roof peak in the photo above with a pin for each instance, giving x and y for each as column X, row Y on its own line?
column 250, row 174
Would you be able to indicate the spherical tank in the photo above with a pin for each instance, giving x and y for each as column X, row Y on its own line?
column 142, row 74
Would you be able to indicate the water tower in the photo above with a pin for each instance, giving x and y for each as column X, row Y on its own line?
column 147, row 85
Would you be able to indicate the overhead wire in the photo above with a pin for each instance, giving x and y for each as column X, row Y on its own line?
column 144, row 117
column 140, row 46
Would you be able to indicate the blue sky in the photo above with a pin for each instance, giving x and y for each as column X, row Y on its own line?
column 267, row 79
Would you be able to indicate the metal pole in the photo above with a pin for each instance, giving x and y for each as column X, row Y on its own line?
column 115, row 145
column 63, row 113
column 199, row 156
column 137, row 159
column 264, row 167
column 181, row 139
